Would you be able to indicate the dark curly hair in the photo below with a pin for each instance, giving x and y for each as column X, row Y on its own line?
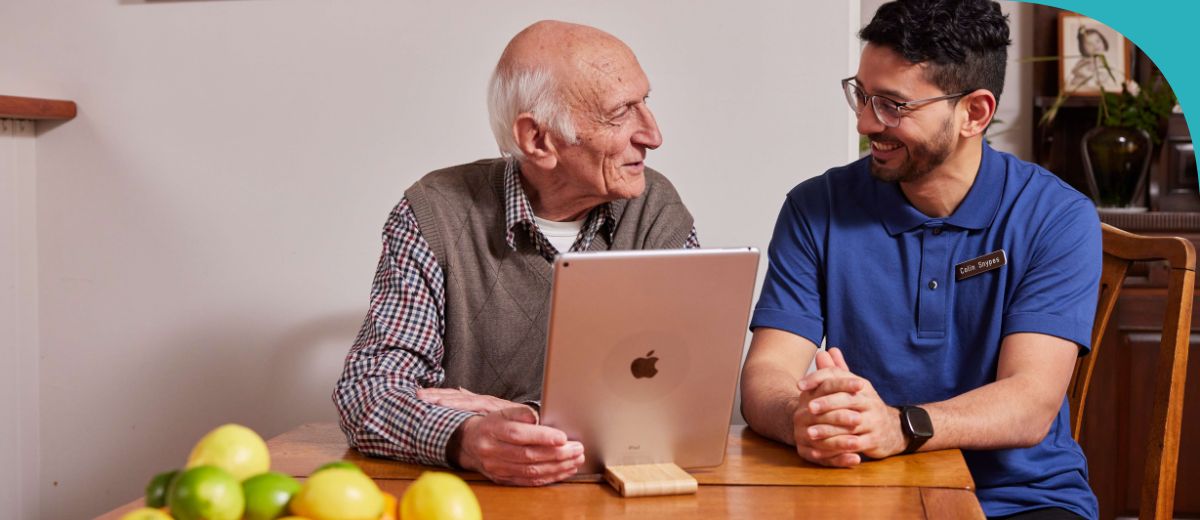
column 965, row 41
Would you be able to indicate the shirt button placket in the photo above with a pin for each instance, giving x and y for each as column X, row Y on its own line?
column 931, row 304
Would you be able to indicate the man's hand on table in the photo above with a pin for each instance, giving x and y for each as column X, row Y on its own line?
column 840, row 416
column 509, row 447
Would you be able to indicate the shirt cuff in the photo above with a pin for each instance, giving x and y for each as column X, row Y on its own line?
column 438, row 426
column 1078, row 331
column 808, row 327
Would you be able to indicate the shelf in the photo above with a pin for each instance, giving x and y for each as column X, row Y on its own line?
column 13, row 107
column 1070, row 102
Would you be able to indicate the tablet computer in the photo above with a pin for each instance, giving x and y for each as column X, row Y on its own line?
column 643, row 353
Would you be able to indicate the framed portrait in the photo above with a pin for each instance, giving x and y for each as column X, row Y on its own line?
column 1092, row 56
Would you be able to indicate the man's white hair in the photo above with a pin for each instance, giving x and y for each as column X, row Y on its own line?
column 513, row 90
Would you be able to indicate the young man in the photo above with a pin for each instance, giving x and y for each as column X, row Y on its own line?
column 957, row 283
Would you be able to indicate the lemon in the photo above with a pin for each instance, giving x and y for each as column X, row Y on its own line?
column 339, row 494
column 206, row 492
column 439, row 496
column 389, row 507
column 146, row 513
column 344, row 464
column 233, row 448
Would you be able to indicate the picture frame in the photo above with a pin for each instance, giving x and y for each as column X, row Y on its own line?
column 1085, row 46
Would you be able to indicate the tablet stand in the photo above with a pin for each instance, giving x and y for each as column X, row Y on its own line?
column 644, row 480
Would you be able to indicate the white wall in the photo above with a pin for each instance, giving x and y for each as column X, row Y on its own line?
column 208, row 225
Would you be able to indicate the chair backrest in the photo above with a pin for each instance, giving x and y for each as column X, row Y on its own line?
column 1122, row 248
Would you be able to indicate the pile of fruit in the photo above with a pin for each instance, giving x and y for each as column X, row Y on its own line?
column 228, row 477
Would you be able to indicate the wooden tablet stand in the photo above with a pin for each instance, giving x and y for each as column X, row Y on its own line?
column 645, row 480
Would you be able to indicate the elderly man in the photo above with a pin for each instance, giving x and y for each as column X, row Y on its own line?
column 958, row 283
column 447, row 368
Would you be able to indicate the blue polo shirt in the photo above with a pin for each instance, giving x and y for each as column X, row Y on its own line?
column 854, row 263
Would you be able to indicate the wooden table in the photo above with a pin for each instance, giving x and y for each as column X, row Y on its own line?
column 759, row 479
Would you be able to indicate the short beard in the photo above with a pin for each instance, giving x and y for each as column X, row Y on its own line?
column 922, row 158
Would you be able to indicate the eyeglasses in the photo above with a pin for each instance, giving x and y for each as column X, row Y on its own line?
column 886, row 110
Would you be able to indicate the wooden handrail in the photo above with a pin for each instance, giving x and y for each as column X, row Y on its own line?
column 13, row 107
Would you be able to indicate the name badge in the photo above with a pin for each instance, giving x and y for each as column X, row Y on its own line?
column 991, row 261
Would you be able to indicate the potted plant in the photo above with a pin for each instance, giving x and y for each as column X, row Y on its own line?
column 1117, row 152
column 1129, row 126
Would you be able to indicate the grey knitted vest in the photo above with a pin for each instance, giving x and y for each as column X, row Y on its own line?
column 497, row 299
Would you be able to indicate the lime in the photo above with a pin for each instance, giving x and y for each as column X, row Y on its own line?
column 267, row 495
column 439, row 496
column 338, row 494
column 344, row 464
column 206, row 492
column 156, row 490
column 146, row 513
column 233, row 448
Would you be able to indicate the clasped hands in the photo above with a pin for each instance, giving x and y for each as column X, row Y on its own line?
column 506, row 444
column 839, row 418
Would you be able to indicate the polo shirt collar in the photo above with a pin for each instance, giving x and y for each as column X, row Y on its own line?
column 977, row 211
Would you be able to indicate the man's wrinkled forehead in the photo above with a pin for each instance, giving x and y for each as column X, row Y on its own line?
column 609, row 60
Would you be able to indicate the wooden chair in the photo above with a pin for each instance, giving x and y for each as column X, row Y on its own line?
column 1162, row 450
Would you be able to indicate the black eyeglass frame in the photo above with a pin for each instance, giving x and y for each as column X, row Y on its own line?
column 901, row 107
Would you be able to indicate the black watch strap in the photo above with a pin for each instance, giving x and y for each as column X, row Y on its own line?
column 916, row 426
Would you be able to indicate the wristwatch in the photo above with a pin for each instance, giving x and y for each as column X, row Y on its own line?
column 917, row 428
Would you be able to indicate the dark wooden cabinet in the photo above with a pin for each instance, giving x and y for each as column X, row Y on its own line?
column 1173, row 183
column 1118, row 408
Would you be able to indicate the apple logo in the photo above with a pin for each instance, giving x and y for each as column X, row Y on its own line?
column 644, row 366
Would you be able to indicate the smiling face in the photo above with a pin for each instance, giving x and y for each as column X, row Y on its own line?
column 925, row 137
column 607, row 93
